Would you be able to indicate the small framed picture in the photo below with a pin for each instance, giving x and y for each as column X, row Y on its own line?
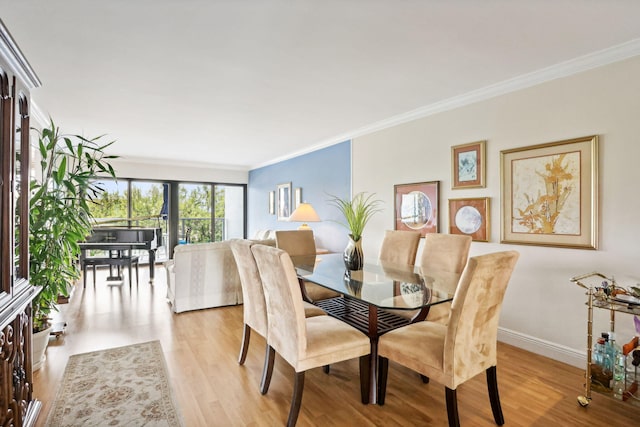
column 468, row 168
column 470, row 217
column 416, row 207
column 272, row 202
column 297, row 197
column 284, row 201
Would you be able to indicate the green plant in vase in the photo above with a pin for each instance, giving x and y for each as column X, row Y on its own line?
column 59, row 215
column 357, row 212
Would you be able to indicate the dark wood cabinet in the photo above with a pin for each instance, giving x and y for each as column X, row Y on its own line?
column 17, row 404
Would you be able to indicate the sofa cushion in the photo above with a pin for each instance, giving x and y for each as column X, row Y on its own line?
column 265, row 234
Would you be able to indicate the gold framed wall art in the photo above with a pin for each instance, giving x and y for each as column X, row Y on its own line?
column 468, row 165
column 550, row 194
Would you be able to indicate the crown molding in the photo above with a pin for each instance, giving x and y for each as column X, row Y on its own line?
column 563, row 69
column 307, row 150
column 178, row 163
column 40, row 120
column 10, row 51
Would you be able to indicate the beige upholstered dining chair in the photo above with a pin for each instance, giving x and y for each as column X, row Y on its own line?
column 255, row 307
column 444, row 253
column 304, row 343
column 296, row 242
column 454, row 353
column 447, row 253
column 299, row 243
column 399, row 247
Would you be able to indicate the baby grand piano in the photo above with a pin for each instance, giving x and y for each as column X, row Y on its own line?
column 123, row 239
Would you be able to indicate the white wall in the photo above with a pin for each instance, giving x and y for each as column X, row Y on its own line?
column 543, row 311
column 127, row 168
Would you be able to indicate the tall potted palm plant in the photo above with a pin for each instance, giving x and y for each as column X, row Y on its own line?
column 357, row 212
column 59, row 215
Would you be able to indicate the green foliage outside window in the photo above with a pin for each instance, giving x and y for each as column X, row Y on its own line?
column 195, row 211
column 109, row 205
column 194, row 207
column 148, row 203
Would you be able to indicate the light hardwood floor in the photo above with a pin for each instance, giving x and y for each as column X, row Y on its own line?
column 211, row 389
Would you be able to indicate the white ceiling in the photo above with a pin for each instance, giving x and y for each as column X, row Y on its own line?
column 241, row 83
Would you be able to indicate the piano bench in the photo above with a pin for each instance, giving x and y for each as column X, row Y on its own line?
column 120, row 261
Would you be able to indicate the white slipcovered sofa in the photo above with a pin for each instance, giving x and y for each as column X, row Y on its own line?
column 205, row 275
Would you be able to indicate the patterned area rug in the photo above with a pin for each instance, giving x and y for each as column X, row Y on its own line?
column 124, row 386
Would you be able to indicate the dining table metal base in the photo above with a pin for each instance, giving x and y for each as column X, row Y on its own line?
column 356, row 313
column 369, row 320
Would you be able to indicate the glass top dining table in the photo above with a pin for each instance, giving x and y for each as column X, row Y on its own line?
column 384, row 285
column 370, row 297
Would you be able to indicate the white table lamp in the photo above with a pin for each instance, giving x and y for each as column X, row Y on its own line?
column 304, row 213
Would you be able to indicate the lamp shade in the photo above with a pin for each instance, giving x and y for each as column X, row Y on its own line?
column 304, row 213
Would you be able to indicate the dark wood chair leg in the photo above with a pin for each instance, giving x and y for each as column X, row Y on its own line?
column 326, row 369
column 296, row 399
column 84, row 275
column 94, row 275
column 137, row 274
column 303, row 289
column 267, row 370
column 494, row 397
column 383, row 370
column 452, row 407
column 425, row 379
column 365, row 368
column 246, row 336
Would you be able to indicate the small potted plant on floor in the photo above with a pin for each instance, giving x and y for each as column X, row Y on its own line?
column 59, row 218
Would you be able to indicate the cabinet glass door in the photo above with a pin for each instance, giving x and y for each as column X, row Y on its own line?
column 21, row 191
column 5, row 174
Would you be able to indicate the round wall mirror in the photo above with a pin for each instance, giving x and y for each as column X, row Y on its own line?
column 415, row 210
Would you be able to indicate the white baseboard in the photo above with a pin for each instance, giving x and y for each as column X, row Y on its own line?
column 545, row 348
